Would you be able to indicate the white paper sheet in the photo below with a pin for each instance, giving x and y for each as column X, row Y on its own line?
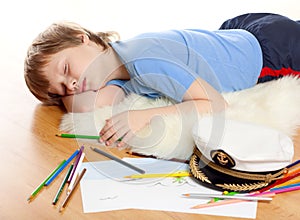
column 104, row 188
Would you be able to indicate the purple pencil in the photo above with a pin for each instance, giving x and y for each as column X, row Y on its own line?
column 75, row 164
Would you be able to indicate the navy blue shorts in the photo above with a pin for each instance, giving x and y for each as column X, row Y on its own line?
column 279, row 38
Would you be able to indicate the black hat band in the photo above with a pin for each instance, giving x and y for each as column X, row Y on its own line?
column 221, row 178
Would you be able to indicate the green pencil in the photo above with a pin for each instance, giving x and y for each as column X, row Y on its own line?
column 64, row 135
column 78, row 136
column 36, row 191
column 63, row 183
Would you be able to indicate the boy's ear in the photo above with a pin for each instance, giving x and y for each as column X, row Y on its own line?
column 84, row 38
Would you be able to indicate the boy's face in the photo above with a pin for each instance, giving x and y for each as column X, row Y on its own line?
column 75, row 70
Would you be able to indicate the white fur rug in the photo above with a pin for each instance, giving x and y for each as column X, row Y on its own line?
column 275, row 104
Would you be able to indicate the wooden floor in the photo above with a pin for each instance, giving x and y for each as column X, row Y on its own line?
column 30, row 150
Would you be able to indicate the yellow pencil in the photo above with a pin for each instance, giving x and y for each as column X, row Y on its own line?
column 157, row 175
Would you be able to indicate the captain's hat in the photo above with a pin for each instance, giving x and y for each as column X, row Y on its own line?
column 238, row 156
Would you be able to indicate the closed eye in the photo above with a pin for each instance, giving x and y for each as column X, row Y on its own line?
column 54, row 96
column 64, row 88
column 66, row 68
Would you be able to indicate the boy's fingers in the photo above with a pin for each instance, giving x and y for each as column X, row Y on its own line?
column 117, row 136
column 125, row 139
column 107, row 126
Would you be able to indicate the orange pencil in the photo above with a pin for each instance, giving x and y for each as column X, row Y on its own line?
column 71, row 192
column 230, row 201
column 213, row 204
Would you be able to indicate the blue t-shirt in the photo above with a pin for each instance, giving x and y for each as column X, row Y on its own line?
column 167, row 63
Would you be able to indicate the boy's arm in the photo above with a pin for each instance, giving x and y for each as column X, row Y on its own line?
column 200, row 99
column 89, row 100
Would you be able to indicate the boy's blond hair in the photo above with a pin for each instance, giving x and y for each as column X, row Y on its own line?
column 57, row 37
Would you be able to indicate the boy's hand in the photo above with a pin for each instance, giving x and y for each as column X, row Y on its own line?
column 123, row 126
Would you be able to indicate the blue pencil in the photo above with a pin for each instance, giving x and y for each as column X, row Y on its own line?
column 61, row 168
column 285, row 187
column 293, row 164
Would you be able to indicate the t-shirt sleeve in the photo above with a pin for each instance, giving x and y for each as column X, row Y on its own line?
column 165, row 77
column 117, row 82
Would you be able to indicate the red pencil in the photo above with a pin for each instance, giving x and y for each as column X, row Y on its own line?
column 288, row 177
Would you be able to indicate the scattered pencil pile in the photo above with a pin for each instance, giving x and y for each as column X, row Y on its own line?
column 97, row 150
column 290, row 182
column 72, row 178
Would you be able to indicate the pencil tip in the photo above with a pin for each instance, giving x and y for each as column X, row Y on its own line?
column 187, row 194
column 61, row 208
column 57, row 135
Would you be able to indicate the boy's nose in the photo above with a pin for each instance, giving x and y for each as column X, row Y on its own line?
column 72, row 85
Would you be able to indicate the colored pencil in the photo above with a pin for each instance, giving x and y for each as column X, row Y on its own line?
column 293, row 164
column 118, row 160
column 82, row 136
column 284, row 190
column 231, row 201
column 63, row 183
column 292, row 181
column 71, row 184
column 72, row 191
column 157, row 175
column 287, row 177
column 61, row 168
column 75, row 163
column 219, row 203
column 294, row 172
column 266, row 193
column 36, row 191
column 284, row 187
column 240, row 197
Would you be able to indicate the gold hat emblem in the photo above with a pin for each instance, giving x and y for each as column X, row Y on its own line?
column 222, row 158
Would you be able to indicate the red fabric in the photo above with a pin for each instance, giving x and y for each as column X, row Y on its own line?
column 266, row 71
